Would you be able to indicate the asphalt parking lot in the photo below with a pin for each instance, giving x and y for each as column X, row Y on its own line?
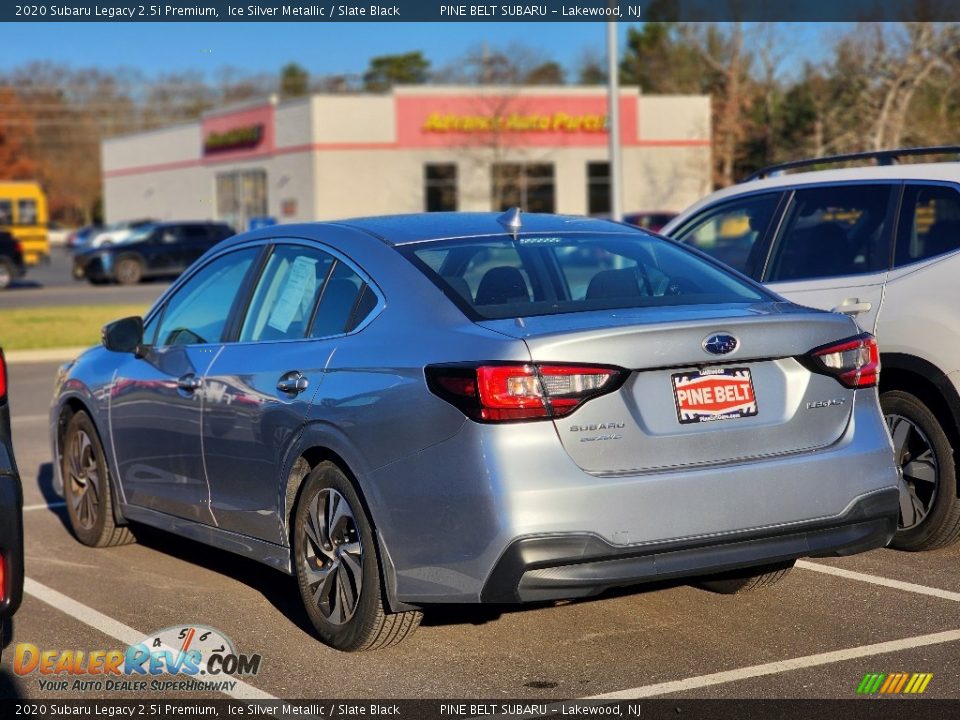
column 814, row 636
column 51, row 283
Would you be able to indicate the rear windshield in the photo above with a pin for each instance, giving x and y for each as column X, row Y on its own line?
column 494, row 277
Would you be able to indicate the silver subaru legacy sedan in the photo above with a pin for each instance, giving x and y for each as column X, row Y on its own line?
column 466, row 408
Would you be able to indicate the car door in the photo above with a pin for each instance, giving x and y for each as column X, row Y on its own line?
column 734, row 231
column 165, row 249
column 157, row 398
column 832, row 249
column 259, row 388
column 922, row 294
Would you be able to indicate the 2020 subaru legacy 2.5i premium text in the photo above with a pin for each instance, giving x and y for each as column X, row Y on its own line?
column 456, row 408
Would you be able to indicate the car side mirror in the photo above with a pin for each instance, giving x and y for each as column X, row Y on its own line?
column 125, row 335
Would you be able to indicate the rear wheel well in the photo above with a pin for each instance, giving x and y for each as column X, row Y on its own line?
column 302, row 466
column 927, row 392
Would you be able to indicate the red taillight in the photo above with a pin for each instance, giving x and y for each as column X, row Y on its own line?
column 3, row 377
column 3, row 579
column 521, row 391
column 855, row 362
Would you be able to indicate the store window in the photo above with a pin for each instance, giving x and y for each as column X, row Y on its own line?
column 598, row 188
column 529, row 187
column 241, row 195
column 439, row 187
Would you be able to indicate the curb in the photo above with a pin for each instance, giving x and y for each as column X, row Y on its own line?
column 44, row 355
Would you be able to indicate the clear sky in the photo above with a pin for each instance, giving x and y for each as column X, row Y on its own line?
column 322, row 48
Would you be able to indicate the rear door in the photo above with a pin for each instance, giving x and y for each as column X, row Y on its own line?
column 260, row 387
column 192, row 242
column 833, row 248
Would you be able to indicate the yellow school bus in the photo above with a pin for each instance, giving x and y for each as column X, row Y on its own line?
column 23, row 212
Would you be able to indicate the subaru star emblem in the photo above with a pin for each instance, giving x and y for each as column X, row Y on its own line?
column 720, row 344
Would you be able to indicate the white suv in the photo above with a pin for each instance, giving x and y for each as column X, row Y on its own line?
column 881, row 244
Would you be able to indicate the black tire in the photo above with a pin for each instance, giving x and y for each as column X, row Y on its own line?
column 326, row 563
column 930, row 511
column 746, row 580
column 86, row 486
column 128, row 271
column 7, row 273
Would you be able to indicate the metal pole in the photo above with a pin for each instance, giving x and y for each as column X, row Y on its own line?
column 613, row 121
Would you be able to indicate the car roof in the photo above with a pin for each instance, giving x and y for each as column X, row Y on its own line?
column 178, row 223
column 943, row 171
column 425, row 227
column 419, row 227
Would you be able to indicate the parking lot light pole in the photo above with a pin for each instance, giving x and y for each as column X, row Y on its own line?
column 613, row 123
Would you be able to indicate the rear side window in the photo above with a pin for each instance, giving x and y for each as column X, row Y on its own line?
column 345, row 303
column 729, row 232
column 283, row 302
column 833, row 231
column 495, row 277
column 929, row 223
column 193, row 232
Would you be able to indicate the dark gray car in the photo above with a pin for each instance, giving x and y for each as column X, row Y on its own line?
column 464, row 408
column 11, row 516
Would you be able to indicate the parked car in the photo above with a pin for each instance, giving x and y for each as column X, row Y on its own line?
column 653, row 221
column 80, row 238
column 12, row 265
column 11, row 516
column 878, row 244
column 158, row 249
column 442, row 409
column 115, row 233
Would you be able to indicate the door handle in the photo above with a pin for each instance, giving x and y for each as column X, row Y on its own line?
column 853, row 306
column 293, row 382
column 189, row 382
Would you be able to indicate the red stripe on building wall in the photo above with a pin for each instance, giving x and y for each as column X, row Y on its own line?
column 322, row 147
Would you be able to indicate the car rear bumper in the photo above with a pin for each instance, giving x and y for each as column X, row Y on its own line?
column 451, row 516
column 551, row 568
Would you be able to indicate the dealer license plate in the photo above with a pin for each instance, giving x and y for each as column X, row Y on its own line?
column 714, row 394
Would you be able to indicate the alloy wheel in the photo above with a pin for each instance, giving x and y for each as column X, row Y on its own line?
column 917, row 460
column 333, row 556
column 84, row 477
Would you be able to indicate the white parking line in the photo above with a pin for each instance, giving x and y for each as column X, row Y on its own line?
column 877, row 580
column 44, row 506
column 117, row 630
column 773, row 668
column 18, row 419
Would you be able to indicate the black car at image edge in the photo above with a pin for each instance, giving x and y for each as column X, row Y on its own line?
column 154, row 250
column 11, row 259
column 11, row 516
